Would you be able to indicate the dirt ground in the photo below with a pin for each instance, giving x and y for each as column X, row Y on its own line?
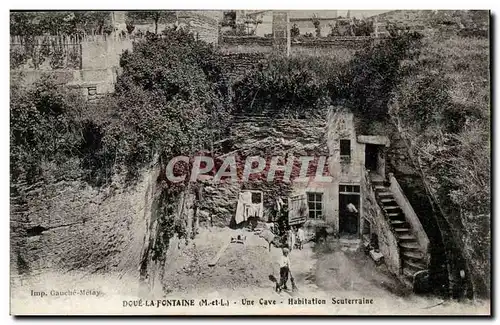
column 325, row 271
column 240, row 266
column 327, row 266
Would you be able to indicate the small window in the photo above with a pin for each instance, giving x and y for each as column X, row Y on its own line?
column 256, row 197
column 315, row 203
column 367, row 227
column 345, row 150
column 349, row 188
column 92, row 91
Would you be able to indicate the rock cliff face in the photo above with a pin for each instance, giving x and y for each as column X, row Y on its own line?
column 266, row 138
column 59, row 227
column 70, row 226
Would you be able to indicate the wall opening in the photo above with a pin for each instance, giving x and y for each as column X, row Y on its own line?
column 366, row 228
column 315, row 203
column 349, row 221
column 345, row 150
column 371, row 157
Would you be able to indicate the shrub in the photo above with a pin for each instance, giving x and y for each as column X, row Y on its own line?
column 44, row 128
column 295, row 87
column 374, row 73
column 171, row 99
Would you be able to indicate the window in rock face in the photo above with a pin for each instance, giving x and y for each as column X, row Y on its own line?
column 315, row 203
column 345, row 150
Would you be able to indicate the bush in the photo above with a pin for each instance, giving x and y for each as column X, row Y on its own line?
column 44, row 128
column 295, row 87
column 171, row 99
column 374, row 73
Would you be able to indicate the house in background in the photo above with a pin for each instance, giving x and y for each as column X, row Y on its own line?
column 361, row 204
column 304, row 20
column 259, row 22
column 350, row 155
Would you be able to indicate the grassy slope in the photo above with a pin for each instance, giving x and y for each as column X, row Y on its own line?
column 456, row 162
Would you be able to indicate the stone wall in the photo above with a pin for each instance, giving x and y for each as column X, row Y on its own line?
column 264, row 137
column 217, row 204
column 97, row 68
column 68, row 225
column 341, row 48
column 203, row 24
column 237, row 64
column 388, row 244
column 245, row 44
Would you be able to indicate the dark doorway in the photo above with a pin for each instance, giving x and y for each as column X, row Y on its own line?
column 348, row 219
column 371, row 157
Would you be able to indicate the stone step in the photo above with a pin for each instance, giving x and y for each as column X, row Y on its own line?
column 402, row 229
column 388, row 200
column 414, row 255
column 398, row 222
column 385, row 194
column 409, row 273
column 391, row 207
column 410, row 245
column 407, row 237
column 393, row 214
column 416, row 266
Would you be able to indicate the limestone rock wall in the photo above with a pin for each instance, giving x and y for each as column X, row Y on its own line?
column 70, row 226
column 263, row 137
column 388, row 244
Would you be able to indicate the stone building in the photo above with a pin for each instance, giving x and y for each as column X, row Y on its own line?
column 349, row 193
column 302, row 18
column 349, row 155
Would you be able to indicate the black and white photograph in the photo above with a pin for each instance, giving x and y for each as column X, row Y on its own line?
column 250, row 162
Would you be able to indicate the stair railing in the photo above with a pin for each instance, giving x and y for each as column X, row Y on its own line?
column 370, row 192
column 410, row 215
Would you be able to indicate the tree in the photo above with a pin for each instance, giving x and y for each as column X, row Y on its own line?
column 362, row 27
column 317, row 26
column 44, row 129
column 172, row 98
column 156, row 16
column 294, row 31
column 229, row 19
column 59, row 22
column 251, row 21
column 130, row 27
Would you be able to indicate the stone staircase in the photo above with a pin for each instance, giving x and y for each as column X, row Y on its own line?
column 412, row 257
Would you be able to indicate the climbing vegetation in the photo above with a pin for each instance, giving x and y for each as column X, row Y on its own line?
column 289, row 87
column 170, row 99
column 443, row 108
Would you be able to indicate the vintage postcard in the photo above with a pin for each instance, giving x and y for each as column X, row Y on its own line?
column 250, row 162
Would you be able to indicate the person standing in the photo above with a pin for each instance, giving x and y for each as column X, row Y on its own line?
column 284, row 264
column 352, row 217
column 301, row 237
column 291, row 238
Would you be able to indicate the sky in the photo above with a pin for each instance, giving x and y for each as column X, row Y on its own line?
column 361, row 13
